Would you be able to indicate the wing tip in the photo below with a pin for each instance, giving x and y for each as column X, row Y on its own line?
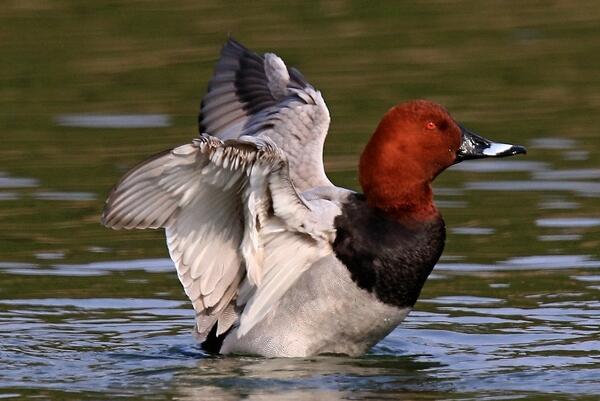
column 234, row 43
column 105, row 217
column 109, row 220
column 113, row 219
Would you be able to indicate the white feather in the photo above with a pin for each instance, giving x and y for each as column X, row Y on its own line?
column 215, row 200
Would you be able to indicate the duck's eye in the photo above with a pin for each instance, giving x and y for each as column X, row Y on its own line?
column 431, row 125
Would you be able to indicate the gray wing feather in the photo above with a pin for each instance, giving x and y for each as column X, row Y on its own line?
column 219, row 203
column 259, row 96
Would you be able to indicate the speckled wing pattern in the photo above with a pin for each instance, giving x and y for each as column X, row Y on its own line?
column 259, row 96
column 237, row 230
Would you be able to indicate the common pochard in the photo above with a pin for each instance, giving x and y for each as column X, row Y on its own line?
column 276, row 260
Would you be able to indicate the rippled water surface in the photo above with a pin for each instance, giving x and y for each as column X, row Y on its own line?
column 88, row 89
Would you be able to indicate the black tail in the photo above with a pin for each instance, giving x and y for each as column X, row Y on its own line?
column 213, row 343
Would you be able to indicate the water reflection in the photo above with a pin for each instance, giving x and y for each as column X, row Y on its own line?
column 472, row 230
column 463, row 300
column 114, row 121
column 576, row 174
column 15, row 182
column 559, row 237
column 587, row 278
column 336, row 378
column 558, row 204
column 496, row 166
column 87, row 269
column 586, row 188
column 552, row 143
column 64, row 196
column 8, row 196
column 576, row 155
column 49, row 255
column 537, row 262
column 148, row 265
column 450, row 342
column 568, row 222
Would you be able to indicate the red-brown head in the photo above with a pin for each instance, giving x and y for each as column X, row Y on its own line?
column 414, row 142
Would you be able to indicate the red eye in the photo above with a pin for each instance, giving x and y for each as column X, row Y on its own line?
column 430, row 125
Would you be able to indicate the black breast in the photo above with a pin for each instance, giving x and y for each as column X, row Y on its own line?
column 385, row 257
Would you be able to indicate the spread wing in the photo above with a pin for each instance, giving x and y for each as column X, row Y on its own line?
column 237, row 230
column 258, row 95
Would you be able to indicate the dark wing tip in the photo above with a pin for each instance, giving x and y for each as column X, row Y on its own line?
column 238, row 78
column 239, row 89
column 297, row 78
column 234, row 43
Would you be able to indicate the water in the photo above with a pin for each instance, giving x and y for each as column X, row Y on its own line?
column 88, row 90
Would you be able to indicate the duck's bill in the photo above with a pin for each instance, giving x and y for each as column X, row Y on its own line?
column 477, row 147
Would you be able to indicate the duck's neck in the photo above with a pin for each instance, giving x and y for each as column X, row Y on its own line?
column 401, row 191
column 403, row 200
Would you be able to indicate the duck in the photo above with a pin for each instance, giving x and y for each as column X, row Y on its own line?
column 276, row 260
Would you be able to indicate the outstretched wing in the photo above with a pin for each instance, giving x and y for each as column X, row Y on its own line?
column 237, row 230
column 258, row 95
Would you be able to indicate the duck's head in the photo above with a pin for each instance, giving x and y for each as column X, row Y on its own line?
column 414, row 142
